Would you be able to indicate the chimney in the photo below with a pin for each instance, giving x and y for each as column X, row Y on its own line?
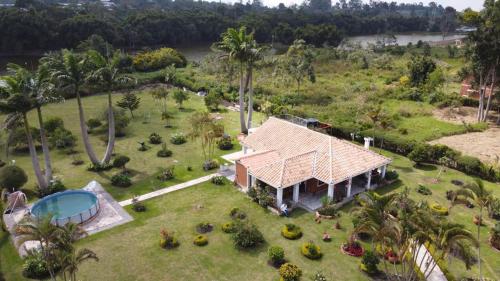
column 367, row 142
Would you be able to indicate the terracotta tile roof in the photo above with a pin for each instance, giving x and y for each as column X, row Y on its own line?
column 291, row 154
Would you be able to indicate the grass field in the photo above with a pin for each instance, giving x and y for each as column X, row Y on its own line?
column 143, row 165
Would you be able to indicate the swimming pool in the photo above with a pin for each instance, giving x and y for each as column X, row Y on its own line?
column 75, row 206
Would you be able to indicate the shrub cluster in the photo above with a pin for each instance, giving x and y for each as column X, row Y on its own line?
column 168, row 239
column 120, row 161
column 276, row 255
column 218, row 180
column 228, row 227
column 178, row 138
column 200, row 240
column 164, row 151
column 247, row 235
column 261, row 196
column 158, row 59
column 166, row 173
column 35, row 266
column 98, row 167
column 225, row 143
column 290, row 272
column 121, row 180
column 291, row 231
column 328, row 210
column 369, row 262
column 204, row 227
column 438, row 209
column 210, row 165
column 311, row 250
column 424, row 190
column 53, row 187
column 12, row 177
column 155, row 138
column 58, row 136
column 236, row 213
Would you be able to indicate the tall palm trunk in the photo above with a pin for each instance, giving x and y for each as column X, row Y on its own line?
column 45, row 147
column 242, row 101
column 111, row 131
column 250, row 97
column 34, row 158
column 83, row 128
column 492, row 92
column 479, row 242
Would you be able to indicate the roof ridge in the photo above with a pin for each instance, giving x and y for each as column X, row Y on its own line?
column 364, row 149
column 256, row 153
column 282, row 172
column 331, row 160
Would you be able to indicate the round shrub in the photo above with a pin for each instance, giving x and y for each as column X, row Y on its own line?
column 168, row 239
column 166, row 173
column 204, row 227
column 120, row 161
column 247, row 236
column 291, row 231
column 178, row 138
column 200, row 240
column 225, row 143
column 98, row 167
column 276, row 255
column 155, row 138
column 391, row 175
column 424, row 190
column 62, row 138
column 210, row 165
column 236, row 213
column 93, row 123
column 12, row 177
column 218, row 180
column 329, row 210
column 53, row 123
column 369, row 262
column 138, row 206
column 311, row 250
column 121, row 180
column 439, row 210
column 229, row 227
column 164, row 151
column 290, row 272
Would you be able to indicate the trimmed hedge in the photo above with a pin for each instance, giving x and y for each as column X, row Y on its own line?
column 439, row 210
column 200, row 240
column 434, row 154
column 311, row 251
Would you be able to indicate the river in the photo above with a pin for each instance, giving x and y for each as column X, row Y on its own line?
column 197, row 52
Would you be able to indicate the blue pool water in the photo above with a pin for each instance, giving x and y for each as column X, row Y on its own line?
column 67, row 204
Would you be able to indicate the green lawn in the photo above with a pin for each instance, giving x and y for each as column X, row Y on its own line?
column 131, row 251
column 144, row 165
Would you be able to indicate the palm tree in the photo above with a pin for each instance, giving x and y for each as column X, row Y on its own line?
column 18, row 103
column 70, row 71
column 236, row 44
column 107, row 74
column 255, row 53
column 46, row 233
column 72, row 259
column 482, row 198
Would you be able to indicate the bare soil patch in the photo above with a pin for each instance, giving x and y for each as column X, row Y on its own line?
column 483, row 145
column 462, row 115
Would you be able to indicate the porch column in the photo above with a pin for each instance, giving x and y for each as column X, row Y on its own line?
column 279, row 197
column 368, row 179
column 349, row 184
column 330, row 190
column 244, row 150
column 384, row 169
column 296, row 193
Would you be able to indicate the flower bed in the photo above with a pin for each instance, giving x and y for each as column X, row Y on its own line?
column 353, row 249
column 392, row 257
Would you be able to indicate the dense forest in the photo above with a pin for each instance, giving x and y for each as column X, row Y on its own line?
column 31, row 25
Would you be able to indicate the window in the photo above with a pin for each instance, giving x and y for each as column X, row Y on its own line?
column 321, row 184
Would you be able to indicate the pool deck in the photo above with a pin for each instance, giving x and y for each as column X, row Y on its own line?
column 110, row 214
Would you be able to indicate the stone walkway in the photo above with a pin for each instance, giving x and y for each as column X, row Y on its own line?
column 427, row 264
column 170, row 189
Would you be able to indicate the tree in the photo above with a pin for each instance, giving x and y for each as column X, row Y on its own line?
column 180, row 96
column 208, row 130
column 129, row 101
column 70, row 71
column 484, row 55
column 448, row 21
column 160, row 95
column 298, row 63
column 18, row 102
column 46, row 233
column 72, row 259
column 420, row 67
column 12, row 177
column 213, row 99
column 255, row 53
column 107, row 73
column 234, row 45
column 482, row 198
